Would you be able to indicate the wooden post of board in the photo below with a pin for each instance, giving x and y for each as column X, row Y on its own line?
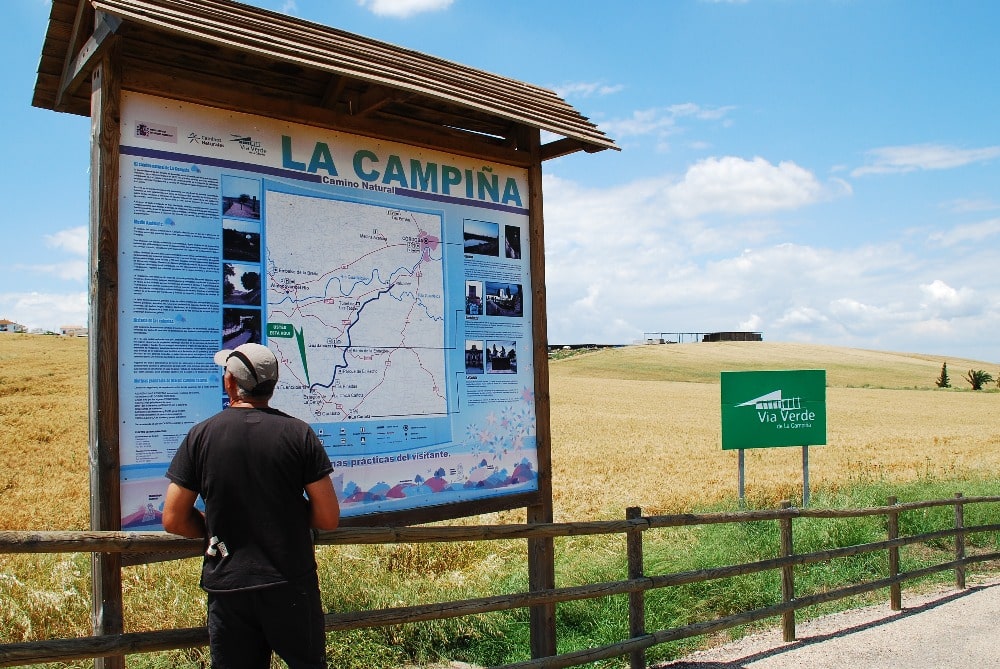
column 541, row 552
column 105, row 485
column 787, row 576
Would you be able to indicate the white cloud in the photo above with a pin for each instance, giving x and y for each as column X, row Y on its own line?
column 895, row 159
column 401, row 9
column 642, row 122
column 971, row 205
column 701, row 113
column 971, row 232
column 71, row 240
column 71, row 270
column 586, row 90
column 622, row 261
column 45, row 310
column 737, row 186
column 751, row 324
column 863, row 320
column 943, row 301
column 801, row 317
column 633, row 222
column 618, row 259
column 663, row 121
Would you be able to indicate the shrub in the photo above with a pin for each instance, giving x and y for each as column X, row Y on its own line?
column 978, row 378
column 943, row 381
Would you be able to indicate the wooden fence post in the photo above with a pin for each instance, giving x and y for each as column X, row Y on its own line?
column 787, row 576
column 542, row 576
column 895, row 593
column 960, row 541
column 636, row 600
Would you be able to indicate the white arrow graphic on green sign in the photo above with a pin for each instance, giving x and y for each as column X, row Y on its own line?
column 772, row 400
column 288, row 331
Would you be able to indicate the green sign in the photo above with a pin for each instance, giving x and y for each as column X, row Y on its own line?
column 781, row 408
column 284, row 330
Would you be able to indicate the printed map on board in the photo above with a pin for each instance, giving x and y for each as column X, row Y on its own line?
column 355, row 309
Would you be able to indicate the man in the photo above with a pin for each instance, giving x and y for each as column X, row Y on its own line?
column 251, row 464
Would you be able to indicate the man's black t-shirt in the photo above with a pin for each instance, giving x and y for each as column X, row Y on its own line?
column 251, row 466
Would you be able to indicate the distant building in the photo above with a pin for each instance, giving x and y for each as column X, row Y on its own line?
column 733, row 336
column 73, row 330
column 682, row 337
column 11, row 326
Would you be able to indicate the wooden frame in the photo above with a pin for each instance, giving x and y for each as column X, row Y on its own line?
column 233, row 57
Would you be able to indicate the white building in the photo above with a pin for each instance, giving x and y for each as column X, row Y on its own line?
column 11, row 326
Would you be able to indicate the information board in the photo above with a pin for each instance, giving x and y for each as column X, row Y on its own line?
column 773, row 408
column 391, row 282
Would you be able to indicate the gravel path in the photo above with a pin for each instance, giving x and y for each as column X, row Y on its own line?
column 936, row 629
column 943, row 628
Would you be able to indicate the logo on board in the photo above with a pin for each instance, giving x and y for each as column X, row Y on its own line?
column 205, row 140
column 156, row 131
column 248, row 144
column 784, row 413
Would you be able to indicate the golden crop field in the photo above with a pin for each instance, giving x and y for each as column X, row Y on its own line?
column 43, row 433
column 638, row 425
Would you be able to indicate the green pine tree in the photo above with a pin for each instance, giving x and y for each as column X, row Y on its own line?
column 943, row 381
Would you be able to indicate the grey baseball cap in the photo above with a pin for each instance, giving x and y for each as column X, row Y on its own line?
column 253, row 366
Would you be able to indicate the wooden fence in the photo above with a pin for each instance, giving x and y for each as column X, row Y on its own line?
column 633, row 527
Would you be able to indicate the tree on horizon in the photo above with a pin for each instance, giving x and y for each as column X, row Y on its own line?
column 978, row 378
column 943, row 381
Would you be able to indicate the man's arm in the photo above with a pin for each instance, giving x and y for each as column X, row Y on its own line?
column 180, row 516
column 324, row 509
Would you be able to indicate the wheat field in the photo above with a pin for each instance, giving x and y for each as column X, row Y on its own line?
column 634, row 426
column 640, row 425
column 43, row 433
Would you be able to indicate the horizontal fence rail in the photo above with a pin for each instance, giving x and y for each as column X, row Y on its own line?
column 139, row 546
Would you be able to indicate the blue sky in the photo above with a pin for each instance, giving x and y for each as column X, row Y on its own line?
column 822, row 171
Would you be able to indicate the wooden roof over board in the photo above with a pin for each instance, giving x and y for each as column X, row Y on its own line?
column 226, row 54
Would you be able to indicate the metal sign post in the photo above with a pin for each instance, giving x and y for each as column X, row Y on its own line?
column 805, row 476
column 742, row 478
